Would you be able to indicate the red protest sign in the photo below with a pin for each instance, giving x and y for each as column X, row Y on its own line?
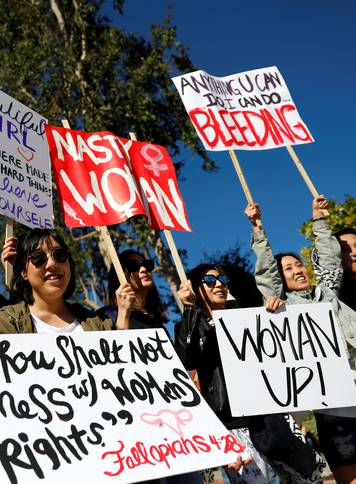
column 104, row 180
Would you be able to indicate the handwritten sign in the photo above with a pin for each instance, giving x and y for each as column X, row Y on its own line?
column 251, row 110
column 103, row 408
column 286, row 361
column 25, row 175
column 104, row 180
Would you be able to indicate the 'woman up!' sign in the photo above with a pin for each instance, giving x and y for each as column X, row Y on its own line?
column 104, row 180
column 252, row 110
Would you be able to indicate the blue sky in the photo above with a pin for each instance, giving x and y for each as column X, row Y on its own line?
column 313, row 43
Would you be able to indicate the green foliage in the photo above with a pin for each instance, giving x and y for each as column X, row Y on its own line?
column 67, row 59
column 341, row 215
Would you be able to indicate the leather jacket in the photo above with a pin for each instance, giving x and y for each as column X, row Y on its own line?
column 197, row 347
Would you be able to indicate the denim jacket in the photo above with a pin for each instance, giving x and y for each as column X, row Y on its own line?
column 269, row 282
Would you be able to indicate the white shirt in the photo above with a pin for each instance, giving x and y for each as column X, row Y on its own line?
column 42, row 327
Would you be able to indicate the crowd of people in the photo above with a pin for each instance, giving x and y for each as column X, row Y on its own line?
column 44, row 280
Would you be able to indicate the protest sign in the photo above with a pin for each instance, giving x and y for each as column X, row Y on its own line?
column 104, row 180
column 95, row 407
column 251, row 110
column 285, row 361
column 25, row 175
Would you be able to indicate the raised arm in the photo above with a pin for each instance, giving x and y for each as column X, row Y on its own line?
column 268, row 279
column 326, row 255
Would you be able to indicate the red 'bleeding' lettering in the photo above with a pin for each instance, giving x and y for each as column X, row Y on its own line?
column 249, row 128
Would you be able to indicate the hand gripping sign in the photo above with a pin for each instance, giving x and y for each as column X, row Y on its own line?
column 104, row 180
column 252, row 110
column 103, row 408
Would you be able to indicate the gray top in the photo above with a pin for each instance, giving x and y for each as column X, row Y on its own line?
column 269, row 282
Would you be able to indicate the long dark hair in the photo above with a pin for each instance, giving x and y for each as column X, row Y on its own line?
column 154, row 304
column 195, row 276
column 345, row 231
column 278, row 258
column 27, row 244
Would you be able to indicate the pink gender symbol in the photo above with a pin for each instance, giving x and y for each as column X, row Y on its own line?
column 173, row 420
column 153, row 160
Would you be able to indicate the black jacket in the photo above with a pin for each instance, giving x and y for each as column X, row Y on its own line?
column 197, row 347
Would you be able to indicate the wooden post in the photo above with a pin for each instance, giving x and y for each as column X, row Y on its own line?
column 9, row 232
column 177, row 260
column 304, row 174
column 65, row 123
column 112, row 252
column 171, row 244
column 107, row 239
column 243, row 182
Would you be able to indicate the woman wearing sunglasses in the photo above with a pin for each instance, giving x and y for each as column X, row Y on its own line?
column 135, row 304
column 43, row 279
column 285, row 276
column 196, row 345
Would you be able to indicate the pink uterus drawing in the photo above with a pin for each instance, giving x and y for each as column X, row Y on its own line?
column 173, row 420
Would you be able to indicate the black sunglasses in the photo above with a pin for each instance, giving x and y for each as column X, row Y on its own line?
column 210, row 279
column 39, row 257
column 135, row 265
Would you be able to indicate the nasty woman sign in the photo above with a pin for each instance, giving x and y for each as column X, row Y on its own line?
column 286, row 361
column 25, row 174
column 104, row 180
column 251, row 110
column 104, row 408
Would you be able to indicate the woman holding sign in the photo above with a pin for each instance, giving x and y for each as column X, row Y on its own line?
column 284, row 276
column 135, row 304
column 196, row 344
column 43, row 279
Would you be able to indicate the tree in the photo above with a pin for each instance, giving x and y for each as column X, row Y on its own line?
column 67, row 59
column 341, row 215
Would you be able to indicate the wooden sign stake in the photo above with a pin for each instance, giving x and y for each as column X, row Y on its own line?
column 243, row 182
column 106, row 237
column 304, row 174
column 9, row 232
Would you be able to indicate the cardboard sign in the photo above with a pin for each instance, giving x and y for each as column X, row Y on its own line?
column 283, row 362
column 102, row 407
column 251, row 110
column 104, row 180
column 25, row 174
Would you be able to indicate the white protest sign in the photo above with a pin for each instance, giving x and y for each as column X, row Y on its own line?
column 286, row 361
column 25, row 174
column 251, row 110
column 102, row 407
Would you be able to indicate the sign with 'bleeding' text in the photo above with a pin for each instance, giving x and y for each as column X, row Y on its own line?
column 104, row 180
column 286, row 361
column 252, row 110
column 102, row 408
column 25, row 169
